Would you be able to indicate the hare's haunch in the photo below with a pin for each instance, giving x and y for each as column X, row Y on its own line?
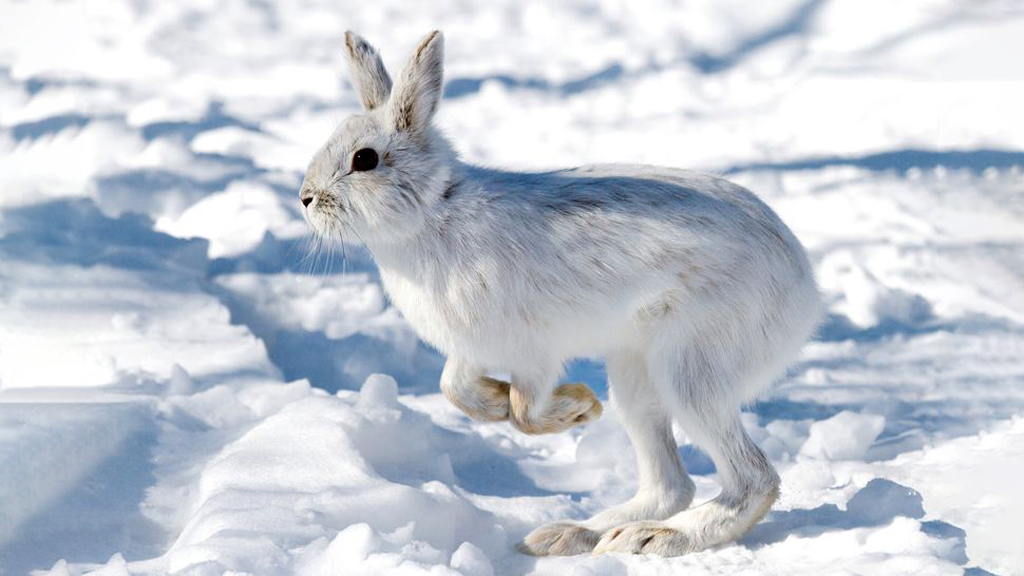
column 689, row 287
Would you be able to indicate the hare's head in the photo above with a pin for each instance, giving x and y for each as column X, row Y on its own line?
column 384, row 169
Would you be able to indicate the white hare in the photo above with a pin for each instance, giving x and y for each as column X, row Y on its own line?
column 690, row 288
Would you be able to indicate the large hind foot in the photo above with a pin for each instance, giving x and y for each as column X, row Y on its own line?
column 559, row 539
column 656, row 502
column 645, row 538
column 722, row 520
column 570, row 405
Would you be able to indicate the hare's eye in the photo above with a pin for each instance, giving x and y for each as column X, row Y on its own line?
column 365, row 159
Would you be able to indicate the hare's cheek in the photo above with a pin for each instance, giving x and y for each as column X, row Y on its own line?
column 360, row 205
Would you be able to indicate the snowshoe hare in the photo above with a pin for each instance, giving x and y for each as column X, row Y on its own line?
column 689, row 287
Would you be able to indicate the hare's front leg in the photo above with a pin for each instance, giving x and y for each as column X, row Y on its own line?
column 479, row 396
column 537, row 407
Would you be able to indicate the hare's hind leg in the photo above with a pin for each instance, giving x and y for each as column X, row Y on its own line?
column 665, row 488
column 749, row 482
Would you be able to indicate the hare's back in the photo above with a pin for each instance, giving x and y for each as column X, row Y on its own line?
column 631, row 209
column 632, row 195
column 657, row 185
column 674, row 209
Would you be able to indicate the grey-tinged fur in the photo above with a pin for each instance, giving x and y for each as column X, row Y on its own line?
column 691, row 288
column 371, row 80
column 419, row 89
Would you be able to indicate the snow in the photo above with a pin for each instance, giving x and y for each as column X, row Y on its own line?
column 189, row 384
column 845, row 436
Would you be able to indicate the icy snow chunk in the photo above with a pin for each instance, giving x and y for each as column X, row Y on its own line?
column 180, row 382
column 218, row 407
column 116, row 566
column 785, row 438
column 471, row 561
column 845, row 436
column 416, row 550
column 353, row 544
column 267, row 399
column 59, row 568
column 379, row 391
column 361, row 550
column 881, row 500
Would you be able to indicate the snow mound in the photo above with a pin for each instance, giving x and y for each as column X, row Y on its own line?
column 358, row 477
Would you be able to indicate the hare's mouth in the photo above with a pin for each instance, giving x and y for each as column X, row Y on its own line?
column 326, row 216
column 320, row 203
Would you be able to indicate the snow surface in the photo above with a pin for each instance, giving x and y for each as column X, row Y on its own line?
column 185, row 389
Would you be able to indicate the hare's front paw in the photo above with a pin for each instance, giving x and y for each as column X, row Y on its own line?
column 486, row 401
column 570, row 405
column 559, row 539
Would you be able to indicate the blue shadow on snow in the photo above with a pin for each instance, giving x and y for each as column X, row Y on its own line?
column 877, row 504
column 974, row 161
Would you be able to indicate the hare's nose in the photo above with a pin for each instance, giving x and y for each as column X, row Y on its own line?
column 307, row 200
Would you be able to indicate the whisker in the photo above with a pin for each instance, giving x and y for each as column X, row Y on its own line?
column 330, row 254
column 304, row 246
column 314, row 262
column 344, row 256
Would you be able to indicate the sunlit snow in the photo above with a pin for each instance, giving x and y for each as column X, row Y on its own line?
column 188, row 387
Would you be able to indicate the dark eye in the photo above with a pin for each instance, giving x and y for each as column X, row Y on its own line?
column 365, row 159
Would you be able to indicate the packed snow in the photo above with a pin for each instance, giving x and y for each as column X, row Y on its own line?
column 191, row 384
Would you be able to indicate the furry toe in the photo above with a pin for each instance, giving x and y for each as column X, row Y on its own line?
column 644, row 538
column 571, row 405
column 559, row 539
column 587, row 407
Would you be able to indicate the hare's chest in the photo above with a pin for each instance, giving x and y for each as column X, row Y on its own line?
column 434, row 317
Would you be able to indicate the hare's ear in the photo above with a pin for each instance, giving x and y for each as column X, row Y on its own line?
column 418, row 90
column 368, row 74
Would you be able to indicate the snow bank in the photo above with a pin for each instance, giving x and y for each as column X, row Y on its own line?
column 356, row 477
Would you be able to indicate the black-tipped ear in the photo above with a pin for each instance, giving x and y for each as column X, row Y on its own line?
column 368, row 74
column 418, row 90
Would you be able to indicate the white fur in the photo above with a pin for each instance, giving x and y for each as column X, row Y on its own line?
column 691, row 288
